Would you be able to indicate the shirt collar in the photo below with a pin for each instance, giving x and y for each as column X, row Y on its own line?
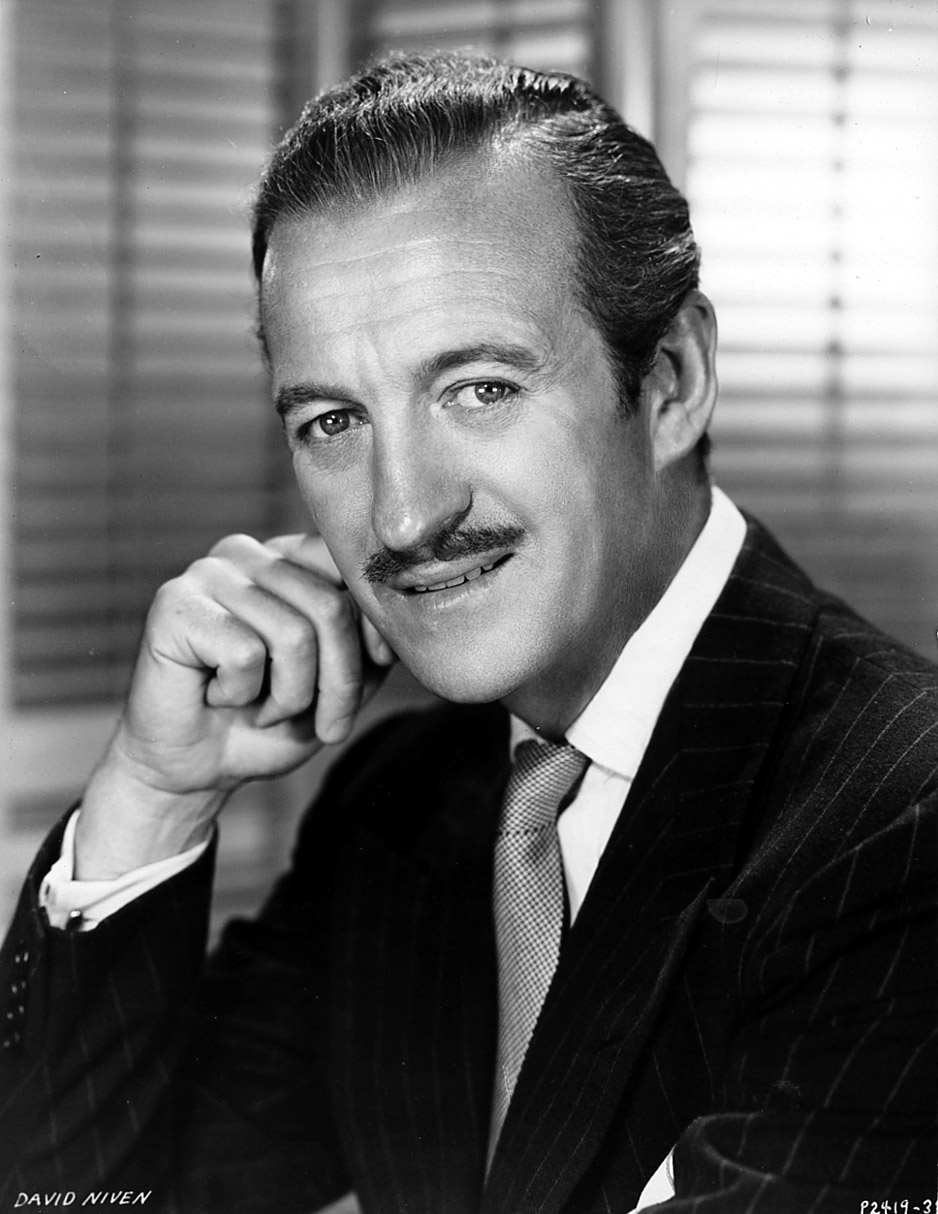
column 614, row 729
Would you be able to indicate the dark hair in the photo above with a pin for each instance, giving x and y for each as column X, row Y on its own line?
column 407, row 116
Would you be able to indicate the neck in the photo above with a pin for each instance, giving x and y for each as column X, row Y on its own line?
column 551, row 702
column 551, row 707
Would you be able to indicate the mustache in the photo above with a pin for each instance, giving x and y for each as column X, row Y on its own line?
column 448, row 544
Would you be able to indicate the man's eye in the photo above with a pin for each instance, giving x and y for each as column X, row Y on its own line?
column 326, row 425
column 490, row 393
column 333, row 422
column 484, row 392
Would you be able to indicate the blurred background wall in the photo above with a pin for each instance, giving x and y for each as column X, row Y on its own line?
column 134, row 425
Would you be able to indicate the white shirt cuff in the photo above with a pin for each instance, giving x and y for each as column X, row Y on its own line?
column 81, row 905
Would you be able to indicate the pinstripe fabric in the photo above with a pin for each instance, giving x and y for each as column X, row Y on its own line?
column 751, row 974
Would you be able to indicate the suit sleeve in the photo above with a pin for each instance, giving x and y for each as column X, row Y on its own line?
column 131, row 1064
column 93, row 1025
column 254, row 1118
column 827, row 1094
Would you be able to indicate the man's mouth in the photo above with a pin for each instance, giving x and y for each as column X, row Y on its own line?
column 460, row 579
column 472, row 550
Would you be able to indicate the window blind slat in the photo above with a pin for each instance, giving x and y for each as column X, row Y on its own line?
column 814, row 189
column 145, row 428
column 551, row 34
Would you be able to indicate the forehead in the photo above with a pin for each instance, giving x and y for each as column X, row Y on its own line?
column 487, row 243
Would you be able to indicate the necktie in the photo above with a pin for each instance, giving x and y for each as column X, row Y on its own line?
column 528, row 903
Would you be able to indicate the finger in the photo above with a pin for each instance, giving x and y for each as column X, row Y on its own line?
column 309, row 551
column 240, row 671
column 253, row 557
column 313, row 641
column 299, row 571
column 291, row 647
column 295, row 571
column 376, row 646
column 314, row 555
column 340, row 687
column 197, row 633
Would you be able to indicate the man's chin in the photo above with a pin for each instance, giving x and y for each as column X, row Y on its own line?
column 462, row 684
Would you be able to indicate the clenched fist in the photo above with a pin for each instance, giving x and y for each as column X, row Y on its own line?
column 250, row 661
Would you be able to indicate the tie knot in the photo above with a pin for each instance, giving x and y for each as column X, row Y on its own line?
column 542, row 776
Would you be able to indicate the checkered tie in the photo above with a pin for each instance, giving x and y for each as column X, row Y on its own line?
column 528, row 903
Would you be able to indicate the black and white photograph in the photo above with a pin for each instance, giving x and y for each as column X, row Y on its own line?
column 469, row 606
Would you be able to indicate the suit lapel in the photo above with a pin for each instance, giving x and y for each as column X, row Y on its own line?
column 673, row 852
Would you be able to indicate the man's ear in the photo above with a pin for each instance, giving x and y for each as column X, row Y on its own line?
column 681, row 389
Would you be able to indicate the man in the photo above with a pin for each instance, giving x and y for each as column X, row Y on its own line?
column 478, row 296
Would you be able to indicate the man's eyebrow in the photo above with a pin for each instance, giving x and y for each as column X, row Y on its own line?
column 292, row 396
column 519, row 357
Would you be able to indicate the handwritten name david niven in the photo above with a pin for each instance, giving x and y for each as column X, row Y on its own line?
column 120, row 1197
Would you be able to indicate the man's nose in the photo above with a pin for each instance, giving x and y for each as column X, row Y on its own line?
column 417, row 488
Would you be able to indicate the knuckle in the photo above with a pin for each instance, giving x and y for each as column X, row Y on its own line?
column 296, row 700
column 170, row 600
column 167, row 596
column 284, row 544
column 233, row 545
column 245, row 652
column 336, row 609
column 204, row 571
column 298, row 639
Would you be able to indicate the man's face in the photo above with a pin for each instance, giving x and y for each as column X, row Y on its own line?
column 456, row 435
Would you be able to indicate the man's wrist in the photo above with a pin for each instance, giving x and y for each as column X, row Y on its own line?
column 81, row 905
column 126, row 823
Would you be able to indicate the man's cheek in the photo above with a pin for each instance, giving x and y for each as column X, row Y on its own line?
column 337, row 518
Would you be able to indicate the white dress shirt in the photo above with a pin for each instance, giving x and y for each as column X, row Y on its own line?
column 615, row 727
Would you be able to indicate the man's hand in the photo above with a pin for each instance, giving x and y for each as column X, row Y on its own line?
column 250, row 661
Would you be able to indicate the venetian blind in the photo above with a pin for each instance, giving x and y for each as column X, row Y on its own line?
column 142, row 429
column 538, row 33
column 813, row 184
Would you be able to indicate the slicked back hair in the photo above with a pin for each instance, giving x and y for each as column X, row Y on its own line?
column 409, row 116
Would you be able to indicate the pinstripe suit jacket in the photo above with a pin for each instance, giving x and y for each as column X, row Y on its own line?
column 750, row 976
